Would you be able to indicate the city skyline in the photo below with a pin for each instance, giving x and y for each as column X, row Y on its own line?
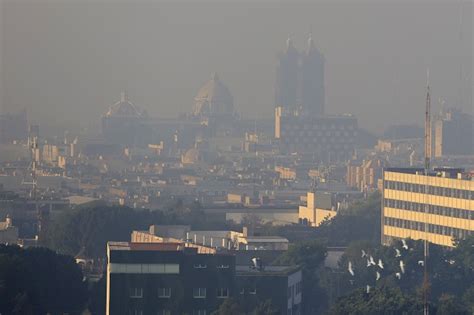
column 391, row 62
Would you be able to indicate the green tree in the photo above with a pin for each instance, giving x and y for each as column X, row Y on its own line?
column 361, row 221
column 229, row 307
column 265, row 308
column 450, row 305
column 39, row 281
column 310, row 255
column 384, row 300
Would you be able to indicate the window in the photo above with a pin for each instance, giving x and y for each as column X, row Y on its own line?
column 200, row 266
column 199, row 293
column 222, row 293
column 136, row 293
column 164, row 293
column 164, row 312
column 253, row 291
column 222, row 266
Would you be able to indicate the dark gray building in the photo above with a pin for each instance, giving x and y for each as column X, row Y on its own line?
column 166, row 278
column 312, row 80
column 286, row 87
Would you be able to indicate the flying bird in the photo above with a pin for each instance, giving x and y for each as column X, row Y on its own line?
column 380, row 264
column 372, row 261
column 405, row 246
column 377, row 276
column 398, row 275
column 368, row 263
column 349, row 268
column 397, row 252
column 363, row 253
column 402, row 266
column 368, row 289
column 421, row 263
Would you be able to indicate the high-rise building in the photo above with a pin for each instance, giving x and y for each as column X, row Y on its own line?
column 286, row 88
column 13, row 127
column 312, row 80
column 443, row 200
column 454, row 133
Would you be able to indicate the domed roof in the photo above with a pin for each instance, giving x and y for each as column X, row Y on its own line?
column 213, row 98
column 125, row 108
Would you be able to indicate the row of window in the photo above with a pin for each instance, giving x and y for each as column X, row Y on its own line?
column 432, row 209
column 204, row 266
column 165, row 293
column 432, row 190
column 432, row 228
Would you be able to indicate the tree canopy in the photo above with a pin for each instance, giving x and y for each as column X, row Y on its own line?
column 39, row 281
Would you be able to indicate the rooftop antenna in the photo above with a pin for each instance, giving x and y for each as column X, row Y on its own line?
column 426, row 208
column 428, row 144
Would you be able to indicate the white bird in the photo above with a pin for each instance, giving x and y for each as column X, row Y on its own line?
column 398, row 275
column 405, row 246
column 351, row 271
column 368, row 289
column 397, row 252
column 421, row 263
column 380, row 264
column 368, row 263
column 363, row 253
column 372, row 261
column 377, row 276
column 402, row 266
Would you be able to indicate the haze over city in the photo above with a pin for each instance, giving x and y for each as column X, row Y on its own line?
column 69, row 59
column 236, row 157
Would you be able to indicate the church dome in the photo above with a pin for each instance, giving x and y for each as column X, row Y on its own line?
column 213, row 99
column 125, row 108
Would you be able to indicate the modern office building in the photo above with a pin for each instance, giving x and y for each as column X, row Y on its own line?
column 444, row 200
column 326, row 138
column 166, row 278
column 282, row 285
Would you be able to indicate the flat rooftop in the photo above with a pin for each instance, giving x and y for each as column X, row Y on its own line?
column 128, row 246
column 443, row 172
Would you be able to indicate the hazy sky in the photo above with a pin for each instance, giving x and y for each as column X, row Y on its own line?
column 66, row 61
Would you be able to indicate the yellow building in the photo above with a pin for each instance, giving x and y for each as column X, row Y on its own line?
column 444, row 200
column 318, row 208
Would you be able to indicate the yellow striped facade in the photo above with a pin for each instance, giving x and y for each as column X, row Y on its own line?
column 447, row 208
